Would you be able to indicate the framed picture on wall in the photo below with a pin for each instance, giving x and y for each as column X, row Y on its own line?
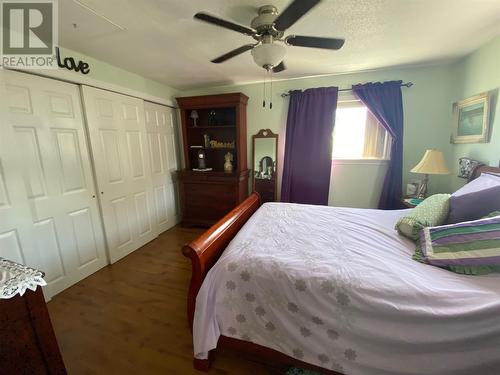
column 471, row 120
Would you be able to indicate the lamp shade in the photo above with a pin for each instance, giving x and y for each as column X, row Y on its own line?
column 268, row 55
column 432, row 163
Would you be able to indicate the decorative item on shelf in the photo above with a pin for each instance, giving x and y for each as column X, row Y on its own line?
column 202, row 159
column 217, row 144
column 411, row 202
column 432, row 163
column 194, row 115
column 412, row 188
column 206, row 140
column 471, row 120
column 203, row 169
column 415, row 201
column 269, row 172
column 212, row 118
column 228, row 165
column 466, row 166
column 266, row 167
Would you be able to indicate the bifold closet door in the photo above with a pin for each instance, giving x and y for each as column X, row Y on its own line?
column 120, row 152
column 49, row 216
column 163, row 156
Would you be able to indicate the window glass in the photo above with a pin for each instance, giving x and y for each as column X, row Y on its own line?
column 357, row 133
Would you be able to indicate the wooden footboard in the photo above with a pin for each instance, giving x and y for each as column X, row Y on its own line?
column 206, row 249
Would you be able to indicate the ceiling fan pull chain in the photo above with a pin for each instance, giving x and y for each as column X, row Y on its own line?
column 264, row 94
column 271, row 94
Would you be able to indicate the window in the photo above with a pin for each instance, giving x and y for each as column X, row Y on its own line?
column 358, row 134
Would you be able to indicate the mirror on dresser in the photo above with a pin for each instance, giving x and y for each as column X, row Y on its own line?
column 265, row 156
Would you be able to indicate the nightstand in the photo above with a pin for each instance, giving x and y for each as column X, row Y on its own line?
column 410, row 202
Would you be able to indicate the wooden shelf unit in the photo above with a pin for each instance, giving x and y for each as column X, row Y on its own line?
column 208, row 196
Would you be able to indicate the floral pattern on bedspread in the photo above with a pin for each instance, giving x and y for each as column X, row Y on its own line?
column 255, row 296
column 337, row 288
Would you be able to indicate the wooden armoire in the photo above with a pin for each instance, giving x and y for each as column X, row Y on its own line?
column 213, row 126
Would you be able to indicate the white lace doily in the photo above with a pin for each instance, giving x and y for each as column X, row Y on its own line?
column 15, row 278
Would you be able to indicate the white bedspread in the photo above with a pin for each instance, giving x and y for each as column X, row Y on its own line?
column 337, row 288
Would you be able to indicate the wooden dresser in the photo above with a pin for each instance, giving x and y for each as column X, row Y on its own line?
column 28, row 344
column 214, row 126
column 266, row 189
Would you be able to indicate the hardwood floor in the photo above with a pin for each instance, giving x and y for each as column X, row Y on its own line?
column 130, row 318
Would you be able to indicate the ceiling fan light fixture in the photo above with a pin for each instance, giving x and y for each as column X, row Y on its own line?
column 268, row 27
column 268, row 55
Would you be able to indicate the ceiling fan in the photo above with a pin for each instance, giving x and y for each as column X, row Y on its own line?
column 269, row 27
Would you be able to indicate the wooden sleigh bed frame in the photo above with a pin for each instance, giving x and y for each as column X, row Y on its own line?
column 204, row 253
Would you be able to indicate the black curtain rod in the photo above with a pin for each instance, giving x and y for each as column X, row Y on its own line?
column 407, row 84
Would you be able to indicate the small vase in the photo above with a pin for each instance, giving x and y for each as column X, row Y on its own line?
column 228, row 166
column 211, row 118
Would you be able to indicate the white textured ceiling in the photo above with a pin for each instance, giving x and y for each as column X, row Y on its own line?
column 160, row 40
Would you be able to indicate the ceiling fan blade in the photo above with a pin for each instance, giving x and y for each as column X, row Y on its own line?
column 202, row 16
column 314, row 42
column 233, row 53
column 292, row 14
column 279, row 68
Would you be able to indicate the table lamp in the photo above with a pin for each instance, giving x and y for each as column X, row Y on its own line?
column 432, row 163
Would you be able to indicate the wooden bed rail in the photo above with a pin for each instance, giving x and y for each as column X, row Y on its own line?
column 206, row 249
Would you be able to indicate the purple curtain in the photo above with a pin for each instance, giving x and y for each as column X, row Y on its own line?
column 308, row 146
column 385, row 102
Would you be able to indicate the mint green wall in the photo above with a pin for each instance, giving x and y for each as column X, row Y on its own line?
column 427, row 109
column 479, row 72
column 356, row 183
column 105, row 72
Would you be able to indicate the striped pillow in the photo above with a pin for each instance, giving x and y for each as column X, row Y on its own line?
column 470, row 243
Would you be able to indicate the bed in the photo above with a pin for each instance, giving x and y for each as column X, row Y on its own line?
column 335, row 290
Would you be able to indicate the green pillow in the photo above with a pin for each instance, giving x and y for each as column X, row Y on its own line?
column 430, row 213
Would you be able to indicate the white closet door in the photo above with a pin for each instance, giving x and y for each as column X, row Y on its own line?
column 162, row 152
column 49, row 214
column 120, row 151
